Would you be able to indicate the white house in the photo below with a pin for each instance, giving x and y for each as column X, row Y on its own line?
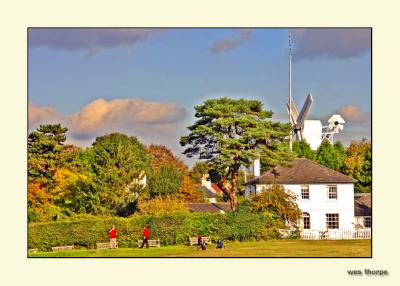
column 325, row 197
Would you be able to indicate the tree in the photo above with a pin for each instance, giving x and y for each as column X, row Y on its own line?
column 198, row 170
column 331, row 156
column 303, row 150
column 161, row 155
column 74, row 192
column 117, row 160
column 231, row 133
column 358, row 164
column 276, row 200
column 44, row 147
column 188, row 192
column 164, row 181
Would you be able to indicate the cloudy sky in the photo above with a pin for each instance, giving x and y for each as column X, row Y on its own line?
column 145, row 82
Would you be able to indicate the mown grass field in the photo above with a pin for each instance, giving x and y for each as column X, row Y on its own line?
column 271, row 248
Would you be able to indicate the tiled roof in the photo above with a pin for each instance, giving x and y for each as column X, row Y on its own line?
column 209, row 207
column 216, row 188
column 301, row 171
column 207, row 193
column 362, row 205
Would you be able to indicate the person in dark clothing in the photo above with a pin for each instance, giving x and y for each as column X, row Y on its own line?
column 146, row 234
column 220, row 244
column 200, row 242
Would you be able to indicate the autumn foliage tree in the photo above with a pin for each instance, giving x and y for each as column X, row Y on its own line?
column 162, row 155
column 358, row 164
column 188, row 192
column 274, row 199
column 231, row 133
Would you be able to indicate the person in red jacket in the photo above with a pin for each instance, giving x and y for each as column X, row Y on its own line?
column 146, row 234
column 113, row 237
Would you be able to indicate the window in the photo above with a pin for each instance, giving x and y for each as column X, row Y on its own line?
column 305, row 193
column 306, row 220
column 332, row 221
column 332, row 192
column 367, row 221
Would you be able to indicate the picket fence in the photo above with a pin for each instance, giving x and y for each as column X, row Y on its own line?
column 336, row 234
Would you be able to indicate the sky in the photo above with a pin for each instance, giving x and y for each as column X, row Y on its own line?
column 146, row 82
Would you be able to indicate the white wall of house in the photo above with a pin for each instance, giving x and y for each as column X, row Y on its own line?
column 318, row 204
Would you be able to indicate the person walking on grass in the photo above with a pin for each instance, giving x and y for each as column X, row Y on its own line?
column 146, row 234
column 113, row 237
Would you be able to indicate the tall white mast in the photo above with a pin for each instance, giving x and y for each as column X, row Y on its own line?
column 290, row 90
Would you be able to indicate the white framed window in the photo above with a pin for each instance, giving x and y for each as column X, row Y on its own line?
column 306, row 220
column 332, row 221
column 367, row 221
column 305, row 192
column 332, row 192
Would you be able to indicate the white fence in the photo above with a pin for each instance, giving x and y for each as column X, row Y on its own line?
column 336, row 234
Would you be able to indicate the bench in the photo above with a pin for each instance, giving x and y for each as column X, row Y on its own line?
column 206, row 240
column 103, row 245
column 152, row 242
column 32, row 250
column 62, row 248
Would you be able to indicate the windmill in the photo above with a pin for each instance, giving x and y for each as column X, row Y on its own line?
column 311, row 131
column 303, row 129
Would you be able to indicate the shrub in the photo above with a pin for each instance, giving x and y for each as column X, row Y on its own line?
column 170, row 229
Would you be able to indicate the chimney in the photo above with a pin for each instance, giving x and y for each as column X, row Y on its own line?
column 256, row 167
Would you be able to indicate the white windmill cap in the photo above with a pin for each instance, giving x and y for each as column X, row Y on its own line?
column 336, row 119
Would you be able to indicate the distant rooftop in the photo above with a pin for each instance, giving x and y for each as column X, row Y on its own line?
column 209, row 207
column 362, row 204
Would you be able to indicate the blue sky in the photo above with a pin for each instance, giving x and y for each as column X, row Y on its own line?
column 145, row 82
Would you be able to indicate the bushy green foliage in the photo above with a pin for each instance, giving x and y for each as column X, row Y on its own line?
column 165, row 180
column 117, row 160
column 331, row 156
column 170, row 229
column 303, row 150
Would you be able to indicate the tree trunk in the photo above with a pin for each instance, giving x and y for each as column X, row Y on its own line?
column 233, row 194
column 233, row 200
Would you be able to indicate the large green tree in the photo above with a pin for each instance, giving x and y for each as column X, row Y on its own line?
column 164, row 180
column 331, row 155
column 230, row 133
column 44, row 147
column 303, row 150
column 118, row 162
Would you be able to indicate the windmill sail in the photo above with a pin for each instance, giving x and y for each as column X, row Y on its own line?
column 304, row 111
column 293, row 113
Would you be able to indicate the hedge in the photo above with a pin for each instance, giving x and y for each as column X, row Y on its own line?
column 170, row 229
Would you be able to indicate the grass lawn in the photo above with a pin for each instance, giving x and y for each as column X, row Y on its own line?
column 270, row 248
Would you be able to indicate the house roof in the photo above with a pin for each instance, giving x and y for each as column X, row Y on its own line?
column 362, row 205
column 209, row 207
column 301, row 171
column 207, row 193
column 216, row 188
